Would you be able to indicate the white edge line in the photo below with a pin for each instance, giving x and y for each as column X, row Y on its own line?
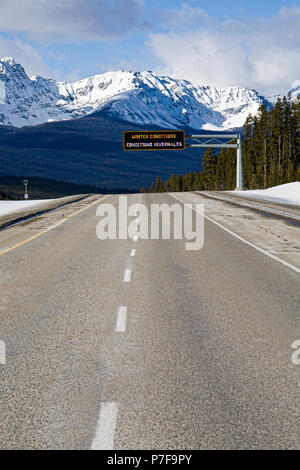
column 121, row 319
column 106, row 426
column 291, row 266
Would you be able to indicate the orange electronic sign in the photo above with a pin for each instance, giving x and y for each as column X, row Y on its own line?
column 154, row 140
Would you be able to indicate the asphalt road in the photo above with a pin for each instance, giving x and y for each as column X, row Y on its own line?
column 198, row 357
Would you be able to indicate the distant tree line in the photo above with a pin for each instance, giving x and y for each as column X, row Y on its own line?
column 271, row 155
column 11, row 187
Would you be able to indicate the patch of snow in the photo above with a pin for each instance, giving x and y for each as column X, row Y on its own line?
column 288, row 193
column 9, row 207
column 295, row 92
column 2, row 93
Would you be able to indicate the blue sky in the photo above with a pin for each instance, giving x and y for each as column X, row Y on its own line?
column 229, row 42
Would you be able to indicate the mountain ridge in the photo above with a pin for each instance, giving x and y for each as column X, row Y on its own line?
column 88, row 150
column 142, row 98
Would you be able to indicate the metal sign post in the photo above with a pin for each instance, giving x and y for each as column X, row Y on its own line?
column 25, row 182
column 223, row 141
column 239, row 165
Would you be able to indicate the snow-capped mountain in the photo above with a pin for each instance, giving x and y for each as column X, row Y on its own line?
column 138, row 97
column 294, row 92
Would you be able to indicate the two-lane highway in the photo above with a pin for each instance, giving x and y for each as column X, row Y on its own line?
column 140, row 344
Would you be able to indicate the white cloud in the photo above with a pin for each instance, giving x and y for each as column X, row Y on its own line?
column 172, row 18
column 33, row 63
column 264, row 54
column 25, row 54
column 71, row 20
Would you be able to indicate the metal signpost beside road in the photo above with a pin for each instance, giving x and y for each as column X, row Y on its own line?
column 25, row 182
column 175, row 140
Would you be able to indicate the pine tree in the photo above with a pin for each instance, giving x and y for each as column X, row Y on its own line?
column 271, row 150
column 209, row 166
column 159, row 186
column 297, row 137
column 179, row 183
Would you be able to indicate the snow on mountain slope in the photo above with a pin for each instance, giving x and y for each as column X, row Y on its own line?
column 295, row 93
column 138, row 97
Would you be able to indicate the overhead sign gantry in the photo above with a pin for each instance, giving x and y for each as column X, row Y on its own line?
column 175, row 140
column 222, row 141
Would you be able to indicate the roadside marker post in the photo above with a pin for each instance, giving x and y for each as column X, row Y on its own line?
column 25, row 182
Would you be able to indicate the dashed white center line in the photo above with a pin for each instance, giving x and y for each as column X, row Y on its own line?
column 135, row 238
column 106, row 426
column 127, row 275
column 2, row 353
column 133, row 252
column 121, row 319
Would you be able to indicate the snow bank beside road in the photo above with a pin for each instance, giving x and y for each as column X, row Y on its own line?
column 9, row 207
column 288, row 193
